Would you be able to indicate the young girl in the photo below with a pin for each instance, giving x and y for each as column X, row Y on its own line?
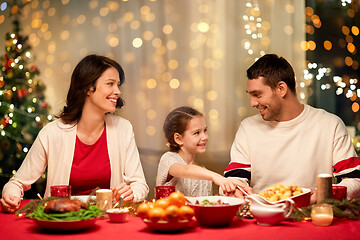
column 186, row 132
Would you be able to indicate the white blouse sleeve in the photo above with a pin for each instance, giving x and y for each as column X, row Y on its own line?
column 166, row 161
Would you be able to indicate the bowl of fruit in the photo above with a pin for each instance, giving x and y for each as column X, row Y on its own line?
column 167, row 214
column 215, row 211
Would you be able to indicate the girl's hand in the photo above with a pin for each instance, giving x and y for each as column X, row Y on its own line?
column 239, row 194
column 9, row 204
column 124, row 191
column 227, row 185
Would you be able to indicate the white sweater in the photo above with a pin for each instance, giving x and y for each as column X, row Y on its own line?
column 294, row 152
column 54, row 148
column 188, row 186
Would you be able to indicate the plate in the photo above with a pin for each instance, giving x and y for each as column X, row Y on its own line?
column 168, row 226
column 84, row 198
column 66, row 225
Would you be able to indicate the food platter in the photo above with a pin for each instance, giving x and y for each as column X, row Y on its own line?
column 301, row 200
column 164, row 226
column 72, row 225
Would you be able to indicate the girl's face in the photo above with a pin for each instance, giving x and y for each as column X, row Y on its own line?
column 107, row 92
column 195, row 137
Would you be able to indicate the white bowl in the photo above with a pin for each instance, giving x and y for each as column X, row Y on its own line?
column 118, row 215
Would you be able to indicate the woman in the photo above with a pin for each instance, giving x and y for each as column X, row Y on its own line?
column 86, row 147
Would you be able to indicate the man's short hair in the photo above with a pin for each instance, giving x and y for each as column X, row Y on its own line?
column 273, row 69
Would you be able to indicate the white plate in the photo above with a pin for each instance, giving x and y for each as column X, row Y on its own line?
column 84, row 198
column 66, row 225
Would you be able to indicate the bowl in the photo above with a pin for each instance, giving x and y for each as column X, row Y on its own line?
column 301, row 200
column 215, row 215
column 118, row 215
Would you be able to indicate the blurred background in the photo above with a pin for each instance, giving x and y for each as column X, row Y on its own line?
column 174, row 53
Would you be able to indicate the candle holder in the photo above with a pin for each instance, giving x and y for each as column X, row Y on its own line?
column 339, row 192
column 322, row 214
column 163, row 191
column 60, row 191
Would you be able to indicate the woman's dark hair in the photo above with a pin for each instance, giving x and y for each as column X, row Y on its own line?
column 274, row 69
column 177, row 122
column 84, row 78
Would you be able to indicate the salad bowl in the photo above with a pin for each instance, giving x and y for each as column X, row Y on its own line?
column 215, row 211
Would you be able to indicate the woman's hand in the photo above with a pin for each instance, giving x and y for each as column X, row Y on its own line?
column 9, row 204
column 124, row 191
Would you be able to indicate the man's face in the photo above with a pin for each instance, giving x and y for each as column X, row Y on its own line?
column 265, row 99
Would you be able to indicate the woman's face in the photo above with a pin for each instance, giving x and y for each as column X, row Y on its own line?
column 107, row 92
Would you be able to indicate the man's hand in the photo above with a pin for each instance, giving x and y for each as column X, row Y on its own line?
column 313, row 196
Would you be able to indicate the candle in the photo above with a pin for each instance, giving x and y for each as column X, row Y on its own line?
column 60, row 191
column 324, row 187
column 322, row 219
column 104, row 199
column 322, row 214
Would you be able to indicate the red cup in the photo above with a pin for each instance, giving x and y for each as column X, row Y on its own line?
column 163, row 191
column 339, row 192
column 60, row 191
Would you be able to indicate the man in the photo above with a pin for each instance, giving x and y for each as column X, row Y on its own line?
column 289, row 142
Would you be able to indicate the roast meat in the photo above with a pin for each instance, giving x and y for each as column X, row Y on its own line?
column 64, row 205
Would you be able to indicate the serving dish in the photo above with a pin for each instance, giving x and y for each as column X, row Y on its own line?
column 215, row 215
column 73, row 225
column 164, row 226
column 301, row 200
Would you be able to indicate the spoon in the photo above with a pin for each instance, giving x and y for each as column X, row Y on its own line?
column 259, row 199
column 119, row 203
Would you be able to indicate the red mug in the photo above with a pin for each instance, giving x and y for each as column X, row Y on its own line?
column 163, row 191
column 60, row 191
column 339, row 192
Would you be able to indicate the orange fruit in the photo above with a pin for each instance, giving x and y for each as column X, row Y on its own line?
column 143, row 210
column 186, row 213
column 162, row 203
column 172, row 213
column 156, row 214
column 177, row 199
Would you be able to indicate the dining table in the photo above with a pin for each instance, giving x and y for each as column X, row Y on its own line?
column 14, row 227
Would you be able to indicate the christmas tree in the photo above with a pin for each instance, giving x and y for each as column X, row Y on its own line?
column 23, row 110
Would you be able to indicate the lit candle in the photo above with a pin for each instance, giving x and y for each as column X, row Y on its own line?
column 322, row 214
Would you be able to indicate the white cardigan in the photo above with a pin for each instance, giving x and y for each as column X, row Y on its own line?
column 54, row 148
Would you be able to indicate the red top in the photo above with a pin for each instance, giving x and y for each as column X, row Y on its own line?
column 90, row 167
